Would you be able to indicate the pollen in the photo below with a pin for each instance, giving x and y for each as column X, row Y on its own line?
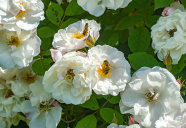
column 78, row 35
column 152, row 96
column 70, row 75
column 29, row 78
column 104, row 69
column 14, row 41
column 172, row 31
column 21, row 12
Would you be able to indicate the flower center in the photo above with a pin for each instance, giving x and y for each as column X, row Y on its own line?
column 172, row 31
column 29, row 78
column 21, row 12
column 14, row 41
column 69, row 75
column 104, row 69
column 79, row 35
column 8, row 93
column 152, row 95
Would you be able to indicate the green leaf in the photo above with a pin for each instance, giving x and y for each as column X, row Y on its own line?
column 151, row 20
column 68, row 22
column 73, row 9
column 184, row 3
column 46, row 32
column 41, row 66
column 127, row 22
column 142, row 59
column 109, row 37
column 111, row 116
column 139, row 39
column 54, row 13
column 176, row 69
column 162, row 3
column 91, row 104
column 89, row 121
column 115, row 99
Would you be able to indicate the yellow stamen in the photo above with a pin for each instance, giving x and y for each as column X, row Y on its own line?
column 14, row 41
column 78, row 35
column 104, row 69
column 21, row 12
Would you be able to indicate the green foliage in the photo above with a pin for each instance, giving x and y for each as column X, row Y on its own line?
column 162, row 3
column 109, row 115
column 184, row 3
column 139, row 39
column 41, row 66
column 91, row 104
column 54, row 13
column 142, row 59
column 89, row 121
column 46, row 32
column 73, row 9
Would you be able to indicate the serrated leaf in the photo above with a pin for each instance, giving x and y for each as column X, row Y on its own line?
column 162, row 3
column 142, row 59
column 115, row 99
column 139, row 39
column 68, row 22
column 73, row 9
column 89, row 121
column 127, row 22
column 46, row 32
column 54, row 13
column 91, row 104
column 41, row 66
column 109, row 115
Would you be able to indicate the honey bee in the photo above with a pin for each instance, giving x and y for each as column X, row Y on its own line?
column 106, row 67
column 85, row 31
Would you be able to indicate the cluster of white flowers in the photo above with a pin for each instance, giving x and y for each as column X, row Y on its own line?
column 97, row 7
column 151, row 95
column 75, row 74
column 18, row 23
column 169, row 33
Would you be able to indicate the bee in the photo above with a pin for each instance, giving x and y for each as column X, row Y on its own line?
column 85, row 31
column 106, row 67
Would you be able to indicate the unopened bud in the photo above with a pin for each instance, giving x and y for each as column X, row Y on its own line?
column 90, row 41
column 167, row 11
column 131, row 120
column 181, row 83
column 55, row 104
column 167, row 60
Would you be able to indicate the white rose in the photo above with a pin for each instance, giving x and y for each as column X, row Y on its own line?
column 45, row 116
column 22, row 80
column 7, row 74
column 113, row 125
column 67, row 79
column 97, row 7
column 75, row 35
column 169, row 36
column 150, row 93
column 111, row 70
column 24, row 14
column 38, row 94
column 175, row 119
column 8, row 101
column 17, row 48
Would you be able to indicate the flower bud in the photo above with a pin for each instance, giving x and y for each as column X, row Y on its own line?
column 56, row 54
column 179, row 81
column 167, row 11
column 131, row 120
column 90, row 41
column 167, row 60
column 55, row 104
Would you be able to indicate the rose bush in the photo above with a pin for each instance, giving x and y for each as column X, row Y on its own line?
column 92, row 63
